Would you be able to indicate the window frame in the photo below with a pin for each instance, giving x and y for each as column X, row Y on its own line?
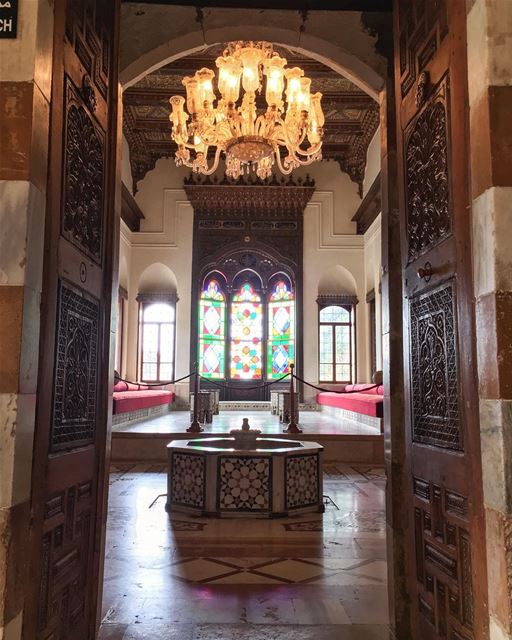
column 224, row 323
column 230, row 287
column 118, row 353
column 349, row 304
column 145, row 300
column 372, row 328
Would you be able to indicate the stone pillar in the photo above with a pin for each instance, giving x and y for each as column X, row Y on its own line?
column 25, row 89
column 489, row 24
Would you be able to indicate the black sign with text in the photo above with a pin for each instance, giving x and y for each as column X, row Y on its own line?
column 8, row 18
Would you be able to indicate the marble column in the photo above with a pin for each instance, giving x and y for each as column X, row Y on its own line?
column 489, row 28
column 25, row 90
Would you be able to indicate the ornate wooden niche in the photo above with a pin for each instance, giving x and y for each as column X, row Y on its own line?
column 248, row 214
column 248, row 226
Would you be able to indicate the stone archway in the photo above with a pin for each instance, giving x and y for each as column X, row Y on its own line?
column 359, row 60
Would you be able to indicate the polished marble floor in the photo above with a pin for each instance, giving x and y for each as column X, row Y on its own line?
column 312, row 577
column 311, row 422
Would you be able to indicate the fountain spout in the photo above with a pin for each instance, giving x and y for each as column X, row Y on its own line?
column 245, row 437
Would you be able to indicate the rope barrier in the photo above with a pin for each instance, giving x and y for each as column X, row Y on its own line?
column 314, row 386
column 154, row 384
column 254, row 388
column 227, row 386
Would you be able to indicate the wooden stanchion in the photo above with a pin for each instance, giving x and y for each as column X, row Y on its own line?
column 292, row 425
column 195, row 427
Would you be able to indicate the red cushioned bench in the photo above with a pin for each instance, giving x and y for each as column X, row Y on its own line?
column 130, row 397
column 366, row 400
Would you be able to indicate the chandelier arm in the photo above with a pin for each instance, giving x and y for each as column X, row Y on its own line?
column 284, row 171
column 215, row 164
column 309, row 152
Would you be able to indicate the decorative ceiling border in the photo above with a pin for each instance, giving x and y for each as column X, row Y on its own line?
column 248, row 198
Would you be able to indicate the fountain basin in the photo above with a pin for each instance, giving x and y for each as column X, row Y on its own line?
column 276, row 478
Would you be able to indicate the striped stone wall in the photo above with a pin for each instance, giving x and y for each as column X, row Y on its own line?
column 25, row 89
column 489, row 25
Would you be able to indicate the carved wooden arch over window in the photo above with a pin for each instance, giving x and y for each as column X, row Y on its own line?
column 246, row 326
column 336, row 338
column 157, row 336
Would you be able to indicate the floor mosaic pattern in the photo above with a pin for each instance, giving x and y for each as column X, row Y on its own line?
column 302, row 578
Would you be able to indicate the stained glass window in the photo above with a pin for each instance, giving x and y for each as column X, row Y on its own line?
column 336, row 344
column 246, row 351
column 212, row 331
column 281, row 331
column 157, row 342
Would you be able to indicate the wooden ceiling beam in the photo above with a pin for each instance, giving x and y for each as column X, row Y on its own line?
column 282, row 5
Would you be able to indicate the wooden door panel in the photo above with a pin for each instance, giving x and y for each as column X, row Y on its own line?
column 447, row 571
column 72, row 409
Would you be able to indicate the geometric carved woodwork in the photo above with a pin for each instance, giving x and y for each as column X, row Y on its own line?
column 369, row 208
column 90, row 39
column 351, row 115
column 427, row 176
column 131, row 213
column 74, row 403
column 434, row 379
column 248, row 199
column 65, row 562
column 83, row 192
column 443, row 559
column 422, row 25
column 250, row 227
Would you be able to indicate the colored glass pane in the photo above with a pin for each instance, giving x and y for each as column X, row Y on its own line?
column 246, row 334
column 281, row 331
column 212, row 331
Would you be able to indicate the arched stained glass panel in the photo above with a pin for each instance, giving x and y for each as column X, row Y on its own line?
column 246, row 334
column 212, row 331
column 281, row 331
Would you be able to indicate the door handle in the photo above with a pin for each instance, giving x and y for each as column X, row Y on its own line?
column 425, row 272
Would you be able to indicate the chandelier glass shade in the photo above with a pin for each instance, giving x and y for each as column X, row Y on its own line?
column 251, row 136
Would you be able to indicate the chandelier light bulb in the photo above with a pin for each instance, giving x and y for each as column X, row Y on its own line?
column 234, row 125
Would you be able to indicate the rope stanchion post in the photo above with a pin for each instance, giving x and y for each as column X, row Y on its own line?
column 195, row 427
column 292, row 425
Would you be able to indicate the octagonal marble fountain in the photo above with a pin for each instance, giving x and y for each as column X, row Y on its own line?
column 244, row 475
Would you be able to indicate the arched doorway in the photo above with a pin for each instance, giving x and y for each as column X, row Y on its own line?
column 439, row 519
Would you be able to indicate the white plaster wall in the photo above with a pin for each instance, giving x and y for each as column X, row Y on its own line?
column 125, row 258
column 330, row 239
column 165, row 237
column 372, row 269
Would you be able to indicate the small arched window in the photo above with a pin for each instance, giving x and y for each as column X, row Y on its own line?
column 336, row 343
column 212, row 330
column 157, row 335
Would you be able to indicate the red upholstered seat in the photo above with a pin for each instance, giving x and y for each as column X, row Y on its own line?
column 370, row 404
column 125, row 401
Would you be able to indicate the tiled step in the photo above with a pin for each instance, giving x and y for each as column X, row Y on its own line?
column 244, row 406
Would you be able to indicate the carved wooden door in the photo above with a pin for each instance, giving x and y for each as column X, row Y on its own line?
column 72, row 398
column 447, row 574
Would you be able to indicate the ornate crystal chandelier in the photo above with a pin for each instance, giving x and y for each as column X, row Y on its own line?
column 249, row 137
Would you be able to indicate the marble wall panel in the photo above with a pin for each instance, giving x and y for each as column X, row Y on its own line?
column 11, row 313
column 492, row 238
